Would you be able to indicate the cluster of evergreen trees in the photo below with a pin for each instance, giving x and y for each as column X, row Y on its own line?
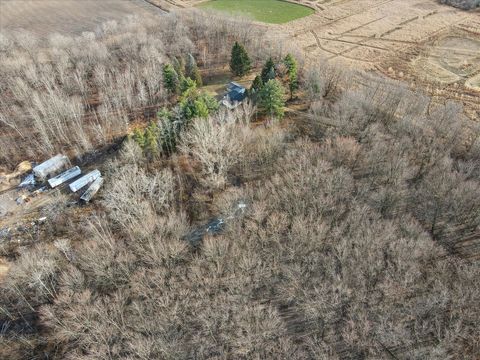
column 161, row 135
column 267, row 91
column 182, row 80
column 180, row 74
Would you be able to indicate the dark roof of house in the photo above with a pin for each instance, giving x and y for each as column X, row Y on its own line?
column 233, row 85
column 237, row 94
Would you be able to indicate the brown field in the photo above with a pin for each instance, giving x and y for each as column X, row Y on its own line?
column 421, row 42
column 43, row 17
column 450, row 60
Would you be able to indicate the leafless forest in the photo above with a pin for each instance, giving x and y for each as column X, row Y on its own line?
column 359, row 238
column 75, row 94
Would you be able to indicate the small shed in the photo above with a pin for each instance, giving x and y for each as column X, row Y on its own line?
column 85, row 180
column 92, row 190
column 50, row 167
column 64, row 177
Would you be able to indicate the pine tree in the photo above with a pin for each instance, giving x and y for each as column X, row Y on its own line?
column 169, row 128
column 197, row 105
column 271, row 99
column 170, row 79
column 272, row 74
column 139, row 137
column 179, row 66
column 151, row 139
column 191, row 70
column 187, row 84
column 164, row 113
column 268, row 71
column 240, row 63
column 292, row 67
column 256, row 88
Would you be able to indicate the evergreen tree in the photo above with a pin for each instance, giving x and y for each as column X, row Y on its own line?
column 191, row 70
column 179, row 66
column 268, row 72
column 197, row 105
column 170, row 124
column 256, row 87
column 170, row 79
column 151, row 139
column 187, row 84
column 292, row 66
column 257, row 84
column 139, row 137
column 240, row 63
column 271, row 99
column 272, row 74
column 164, row 113
column 169, row 133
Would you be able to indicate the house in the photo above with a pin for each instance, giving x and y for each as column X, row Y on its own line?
column 235, row 95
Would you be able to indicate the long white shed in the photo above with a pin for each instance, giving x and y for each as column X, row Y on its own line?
column 92, row 190
column 85, row 180
column 50, row 167
column 64, row 177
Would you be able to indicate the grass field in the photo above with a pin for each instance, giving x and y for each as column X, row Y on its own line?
column 268, row 11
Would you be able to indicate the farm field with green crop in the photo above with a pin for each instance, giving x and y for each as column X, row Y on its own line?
column 268, row 11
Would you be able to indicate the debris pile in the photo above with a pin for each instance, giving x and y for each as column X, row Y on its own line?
column 216, row 225
column 6, row 179
column 28, row 181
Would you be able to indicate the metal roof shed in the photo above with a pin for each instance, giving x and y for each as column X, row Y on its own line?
column 85, row 180
column 51, row 166
column 64, row 177
column 92, row 190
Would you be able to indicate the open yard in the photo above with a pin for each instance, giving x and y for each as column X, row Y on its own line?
column 216, row 82
column 268, row 11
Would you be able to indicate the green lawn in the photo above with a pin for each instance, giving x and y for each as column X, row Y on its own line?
column 268, row 11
